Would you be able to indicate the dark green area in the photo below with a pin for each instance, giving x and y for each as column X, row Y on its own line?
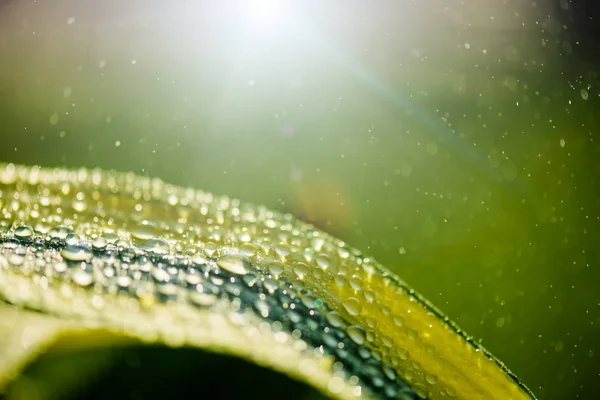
column 151, row 372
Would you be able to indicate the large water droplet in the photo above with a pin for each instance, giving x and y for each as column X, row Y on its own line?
column 143, row 231
column 23, row 231
column 76, row 253
column 356, row 333
column 352, row 305
column 155, row 245
column 235, row 263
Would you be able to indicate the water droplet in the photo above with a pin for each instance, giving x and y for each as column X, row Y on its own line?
column 143, row 231
column 398, row 320
column 210, row 248
column 202, row 299
column 352, row 305
column 262, row 308
column 335, row 319
column 155, row 245
column 23, row 231
column 60, row 267
column 82, row 278
column 99, row 243
column 431, row 379
column 317, row 243
column 235, row 263
column 343, row 253
column 76, row 253
column 72, row 239
column 330, row 340
column 585, row 94
column 402, row 353
column 301, row 269
column 282, row 251
column 60, row 232
column 15, row 259
column 323, row 261
column 355, row 282
column 356, row 333
column 276, row 268
column 500, row 322
column 389, row 372
column 247, row 249
column 340, row 280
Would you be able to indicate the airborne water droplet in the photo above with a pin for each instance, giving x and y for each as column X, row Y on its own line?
column 235, row 263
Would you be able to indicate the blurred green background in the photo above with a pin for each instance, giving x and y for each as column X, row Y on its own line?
column 456, row 142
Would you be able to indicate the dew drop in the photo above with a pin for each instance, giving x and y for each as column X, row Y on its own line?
column 335, row 319
column 60, row 232
column 340, row 280
column 431, row 379
column 323, row 262
column 82, row 278
column 352, row 305
column 72, row 239
column 247, row 249
column 356, row 333
column 143, row 231
column 202, row 299
column 124, row 281
column 402, row 353
column 23, row 231
column 99, row 243
column 155, row 245
column 301, row 270
column 317, row 243
column 76, row 253
column 276, row 268
column 235, row 263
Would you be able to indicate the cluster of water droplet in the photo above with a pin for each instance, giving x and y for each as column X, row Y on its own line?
column 122, row 235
